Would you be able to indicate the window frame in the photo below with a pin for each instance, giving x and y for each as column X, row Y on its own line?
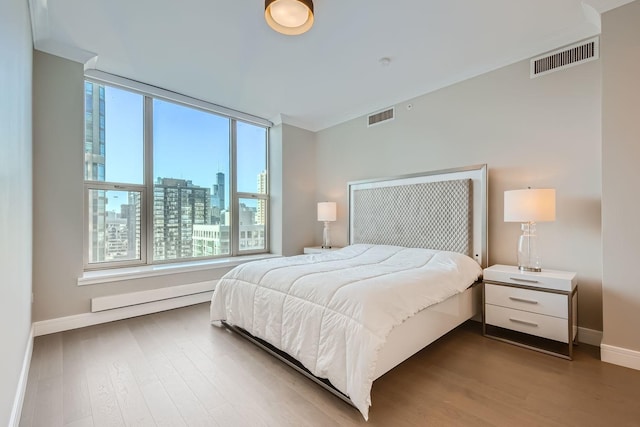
column 146, row 190
column 110, row 186
column 236, row 196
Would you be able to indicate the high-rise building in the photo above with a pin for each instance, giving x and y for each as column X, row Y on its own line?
column 214, row 239
column 246, row 215
column 94, row 167
column 251, row 232
column 218, row 200
column 178, row 206
column 116, row 236
column 211, row 240
column 261, row 215
column 131, row 213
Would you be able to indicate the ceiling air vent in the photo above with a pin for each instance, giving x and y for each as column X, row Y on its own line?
column 379, row 117
column 566, row 57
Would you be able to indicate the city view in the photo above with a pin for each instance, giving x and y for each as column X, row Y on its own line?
column 190, row 201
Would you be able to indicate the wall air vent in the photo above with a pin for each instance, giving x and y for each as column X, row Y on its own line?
column 566, row 57
column 380, row 117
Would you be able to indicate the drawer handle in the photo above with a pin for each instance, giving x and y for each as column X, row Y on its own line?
column 524, row 322
column 517, row 279
column 528, row 301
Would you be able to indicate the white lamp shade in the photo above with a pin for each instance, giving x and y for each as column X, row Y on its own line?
column 327, row 211
column 530, row 205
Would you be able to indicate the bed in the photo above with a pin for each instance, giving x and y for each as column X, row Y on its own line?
column 344, row 318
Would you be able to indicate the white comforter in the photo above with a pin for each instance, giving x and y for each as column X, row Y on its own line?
column 333, row 311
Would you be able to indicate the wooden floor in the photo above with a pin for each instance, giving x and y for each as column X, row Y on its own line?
column 174, row 368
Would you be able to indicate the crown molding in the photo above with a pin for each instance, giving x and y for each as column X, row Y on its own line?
column 602, row 6
column 41, row 33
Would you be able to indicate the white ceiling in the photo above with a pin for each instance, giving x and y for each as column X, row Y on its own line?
column 223, row 52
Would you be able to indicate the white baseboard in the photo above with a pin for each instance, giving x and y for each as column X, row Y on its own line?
column 60, row 324
column 620, row 356
column 589, row 336
column 16, row 411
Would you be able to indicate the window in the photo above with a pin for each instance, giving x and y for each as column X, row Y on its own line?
column 252, row 200
column 160, row 183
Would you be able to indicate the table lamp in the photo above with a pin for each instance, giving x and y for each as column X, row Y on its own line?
column 528, row 207
column 326, row 213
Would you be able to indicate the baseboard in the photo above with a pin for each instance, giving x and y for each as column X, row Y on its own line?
column 589, row 336
column 60, row 324
column 16, row 411
column 620, row 356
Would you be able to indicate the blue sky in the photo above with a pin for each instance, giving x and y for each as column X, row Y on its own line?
column 188, row 144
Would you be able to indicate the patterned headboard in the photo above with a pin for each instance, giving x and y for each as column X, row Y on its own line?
column 443, row 210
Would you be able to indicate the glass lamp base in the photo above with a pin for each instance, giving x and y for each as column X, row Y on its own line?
column 326, row 238
column 528, row 255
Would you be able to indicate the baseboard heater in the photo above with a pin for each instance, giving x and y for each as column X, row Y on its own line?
column 111, row 302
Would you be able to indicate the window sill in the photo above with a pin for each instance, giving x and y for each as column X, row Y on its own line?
column 95, row 277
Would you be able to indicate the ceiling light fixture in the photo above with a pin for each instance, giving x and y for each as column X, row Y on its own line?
column 290, row 17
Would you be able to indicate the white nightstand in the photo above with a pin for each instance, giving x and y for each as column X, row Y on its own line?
column 534, row 310
column 319, row 249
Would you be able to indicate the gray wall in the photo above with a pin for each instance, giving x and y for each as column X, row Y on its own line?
column 293, row 189
column 621, row 175
column 542, row 132
column 15, row 197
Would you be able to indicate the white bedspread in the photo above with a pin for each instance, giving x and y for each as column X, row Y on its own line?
column 333, row 311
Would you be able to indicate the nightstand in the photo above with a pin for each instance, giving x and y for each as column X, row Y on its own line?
column 319, row 249
column 533, row 310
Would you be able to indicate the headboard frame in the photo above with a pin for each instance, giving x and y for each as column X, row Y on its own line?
column 445, row 210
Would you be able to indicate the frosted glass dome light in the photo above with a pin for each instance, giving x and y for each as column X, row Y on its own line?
column 290, row 17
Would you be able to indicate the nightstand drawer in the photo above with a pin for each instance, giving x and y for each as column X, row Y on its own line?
column 530, row 323
column 548, row 279
column 527, row 300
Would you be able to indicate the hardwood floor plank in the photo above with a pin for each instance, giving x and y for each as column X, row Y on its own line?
column 48, row 411
column 51, row 365
column 189, row 406
column 207, row 394
column 124, row 367
column 245, row 394
column 84, row 422
column 229, row 415
column 170, row 357
column 186, row 402
column 104, row 404
column 164, row 411
column 130, row 399
column 138, row 359
column 75, row 396
column 75, row 391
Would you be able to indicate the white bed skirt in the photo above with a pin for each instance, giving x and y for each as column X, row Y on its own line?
column 427, row 326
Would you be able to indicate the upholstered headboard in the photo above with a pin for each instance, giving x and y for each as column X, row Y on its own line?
column 445, row 210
